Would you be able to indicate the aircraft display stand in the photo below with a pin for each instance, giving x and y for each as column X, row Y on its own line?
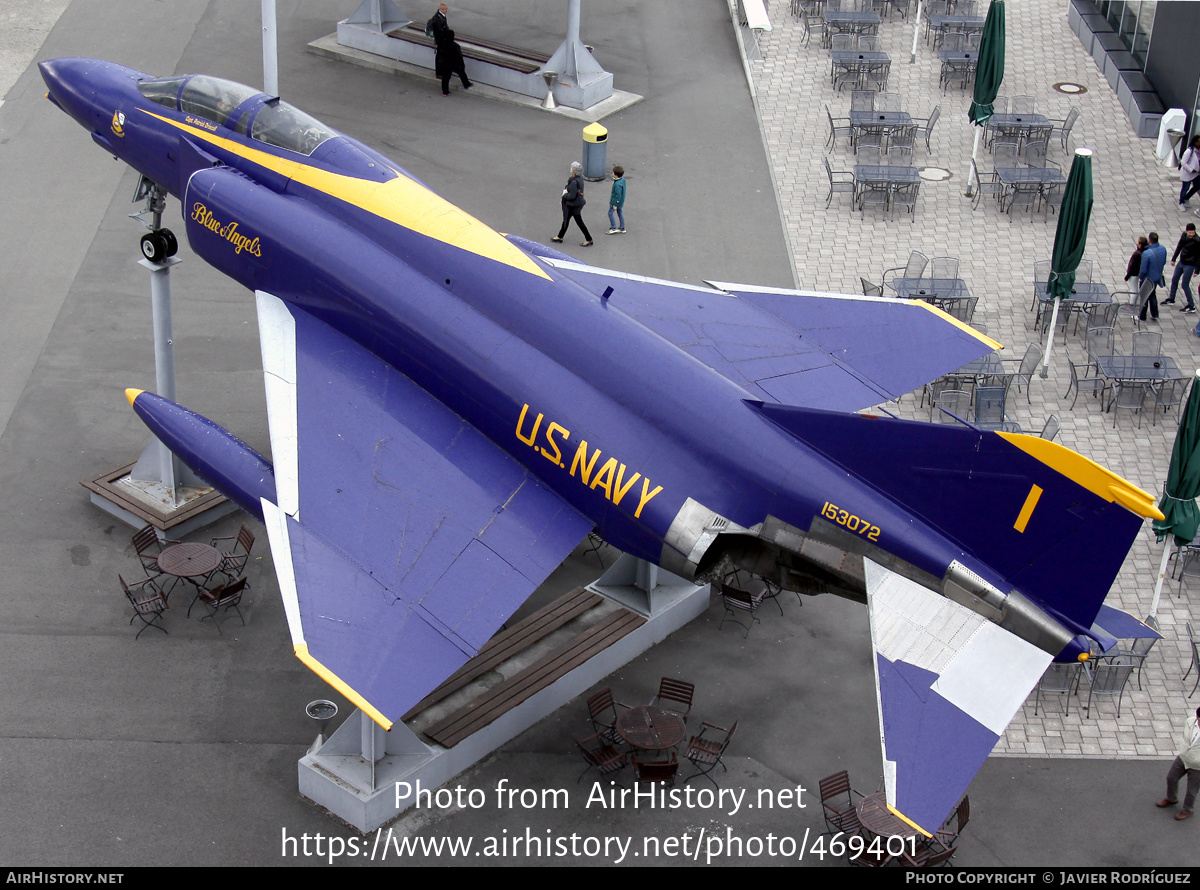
column 367, row 776
column 380, row 28
column 158, row 489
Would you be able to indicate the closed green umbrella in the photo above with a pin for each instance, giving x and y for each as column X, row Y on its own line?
column 1178, row 502
column 1071, row 237
column 989, row 74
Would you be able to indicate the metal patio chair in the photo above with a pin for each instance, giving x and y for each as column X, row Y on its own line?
column 741, row 601
column 221, row 599
column 1194, row 645
column 706, row 753
column 675, row 695
column 148, row 546
column 600, row 755
column 658, row 773
column 1107, row 678
column 233, row 561
column 148, row 601
column 838, row 804
column 602, row 711
column 1058, row 679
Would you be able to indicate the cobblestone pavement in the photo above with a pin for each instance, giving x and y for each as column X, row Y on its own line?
column 833, row 247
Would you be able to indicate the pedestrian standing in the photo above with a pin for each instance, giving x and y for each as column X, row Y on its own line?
column 572, row 204
column 1188, row 254
column 616, row 202
column 1186, row 763
column 1189, row 174
column 1135, row 258
column 438, row 25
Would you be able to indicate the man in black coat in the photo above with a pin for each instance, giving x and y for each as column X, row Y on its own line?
column 1188, row 254
column 438, row 25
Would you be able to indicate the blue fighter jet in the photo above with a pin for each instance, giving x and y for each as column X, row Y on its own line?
column 452, row 410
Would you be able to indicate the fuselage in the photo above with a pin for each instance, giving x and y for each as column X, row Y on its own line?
column 627, row 427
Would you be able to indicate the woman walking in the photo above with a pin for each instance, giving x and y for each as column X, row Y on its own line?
column 572, row 203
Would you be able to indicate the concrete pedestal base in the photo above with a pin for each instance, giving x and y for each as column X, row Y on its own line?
column 367, row 777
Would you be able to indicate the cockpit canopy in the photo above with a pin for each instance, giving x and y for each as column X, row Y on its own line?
column 232, row 105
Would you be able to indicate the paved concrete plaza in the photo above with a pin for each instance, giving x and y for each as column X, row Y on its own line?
column 182, row 749
column 1133, row 195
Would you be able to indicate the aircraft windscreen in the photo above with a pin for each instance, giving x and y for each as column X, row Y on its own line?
column 212, row 98
column 281, row 125
column 163, row 90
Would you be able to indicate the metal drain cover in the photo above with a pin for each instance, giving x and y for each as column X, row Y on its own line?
column 1071, row 89
column 935, row 174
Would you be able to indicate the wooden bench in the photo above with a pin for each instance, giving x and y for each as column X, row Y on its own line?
column 517, row 689
column 510, row 642
column 482, row 50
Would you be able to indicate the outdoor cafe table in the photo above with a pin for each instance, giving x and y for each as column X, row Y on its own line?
column 931, row 289
column 990, row 365
column 1132, row 369
column 1084, row 295
column 875, row 817
column 1138, row 368
column 952, row 22
column 1084, row 292
column 1043, row 176
column 869, row 177
column 1020, row 125
column 882, row 122
column 191, row 561
column 1044, row 179
column 851, row 22
column 960, row 62
column 651, row 728
column 854, row 60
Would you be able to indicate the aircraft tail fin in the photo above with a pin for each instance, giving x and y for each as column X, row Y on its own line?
column 1046, row 520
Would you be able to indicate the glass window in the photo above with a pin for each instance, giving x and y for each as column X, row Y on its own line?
column 1140, row 42
column 212, row 98
column 281, row 125
column 163, row 90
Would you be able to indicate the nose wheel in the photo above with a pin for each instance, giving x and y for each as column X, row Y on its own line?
column 159, row 244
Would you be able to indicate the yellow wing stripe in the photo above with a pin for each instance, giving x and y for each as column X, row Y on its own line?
column 946, row 316
column 907, row 821
column 301, row 650
column 1095, row 478
column 1027, row 509
column 398, row 200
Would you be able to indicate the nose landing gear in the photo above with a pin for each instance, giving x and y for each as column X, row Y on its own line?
column 159, row 244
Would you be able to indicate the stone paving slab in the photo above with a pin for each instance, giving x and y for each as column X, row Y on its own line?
column 833, row 247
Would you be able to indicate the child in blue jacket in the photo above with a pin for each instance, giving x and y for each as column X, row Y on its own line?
column 616, row 202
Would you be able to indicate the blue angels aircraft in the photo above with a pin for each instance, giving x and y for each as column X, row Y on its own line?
column 452, row 410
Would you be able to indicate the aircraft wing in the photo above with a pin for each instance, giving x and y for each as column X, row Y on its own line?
column 813, row 350
column 403, row 538
column 948, row 682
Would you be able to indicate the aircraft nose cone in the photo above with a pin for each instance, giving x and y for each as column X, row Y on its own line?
column 76, row 86
column 67, row 81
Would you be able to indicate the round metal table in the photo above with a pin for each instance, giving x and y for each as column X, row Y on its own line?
column 651, row 728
